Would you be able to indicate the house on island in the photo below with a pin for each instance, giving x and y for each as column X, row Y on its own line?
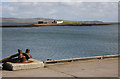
column 41, row 22
column 58, row 21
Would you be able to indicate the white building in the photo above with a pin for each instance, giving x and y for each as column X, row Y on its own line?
column 59, row 21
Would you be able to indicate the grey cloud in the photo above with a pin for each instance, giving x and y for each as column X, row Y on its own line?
column 59, row 0
column 106, row 11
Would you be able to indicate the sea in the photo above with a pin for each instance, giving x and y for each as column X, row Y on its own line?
column 61, row 42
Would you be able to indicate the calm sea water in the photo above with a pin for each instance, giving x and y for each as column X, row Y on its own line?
column 61, row 42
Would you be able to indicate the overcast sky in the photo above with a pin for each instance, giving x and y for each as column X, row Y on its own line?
column 78, row 11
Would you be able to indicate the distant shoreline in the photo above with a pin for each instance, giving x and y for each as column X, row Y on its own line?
column 39, row 25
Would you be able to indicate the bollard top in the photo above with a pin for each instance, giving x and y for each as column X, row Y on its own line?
column 19, row 50
column 27, row 50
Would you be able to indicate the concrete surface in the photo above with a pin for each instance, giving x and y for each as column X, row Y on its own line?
column 20, row 66
column 92, row 68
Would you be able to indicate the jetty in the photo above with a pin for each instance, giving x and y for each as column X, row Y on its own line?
column 107, row 67
column 81, row 59
column 22, row 65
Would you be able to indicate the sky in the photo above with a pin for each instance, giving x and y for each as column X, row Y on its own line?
column 75, row 11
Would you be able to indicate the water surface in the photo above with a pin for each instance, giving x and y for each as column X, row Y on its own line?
column 61, row 42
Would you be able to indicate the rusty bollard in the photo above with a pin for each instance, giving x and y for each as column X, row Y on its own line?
column 28, row 53
column 23, row 57
column 20, row 53
column 21, row 60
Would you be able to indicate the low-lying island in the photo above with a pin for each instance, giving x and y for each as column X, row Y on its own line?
column 50, row 24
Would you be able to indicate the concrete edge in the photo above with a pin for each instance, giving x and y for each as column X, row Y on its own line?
column 78, row 59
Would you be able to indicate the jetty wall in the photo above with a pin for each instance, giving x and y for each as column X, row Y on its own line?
column 81, row 59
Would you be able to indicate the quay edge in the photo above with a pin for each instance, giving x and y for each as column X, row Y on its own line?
column 81, row 59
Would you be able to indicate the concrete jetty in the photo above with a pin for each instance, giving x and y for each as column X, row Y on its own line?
column 37, row 64
column 107, row 67
column 81, row 59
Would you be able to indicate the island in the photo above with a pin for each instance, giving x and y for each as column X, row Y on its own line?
column 38, row 22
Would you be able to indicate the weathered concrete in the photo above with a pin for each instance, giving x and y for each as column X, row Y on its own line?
column 81, row 59
column 87, row 68
column 21, row 66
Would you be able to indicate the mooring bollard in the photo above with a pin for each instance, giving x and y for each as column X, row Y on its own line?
column 28, row 54
column 21, row 57
column 20, row 53
column 20, row 61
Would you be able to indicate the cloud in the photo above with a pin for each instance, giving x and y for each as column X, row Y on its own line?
column 53, row 11
column 71, row 3
column 0, row 10
column 59, row 0
column 104, row 11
